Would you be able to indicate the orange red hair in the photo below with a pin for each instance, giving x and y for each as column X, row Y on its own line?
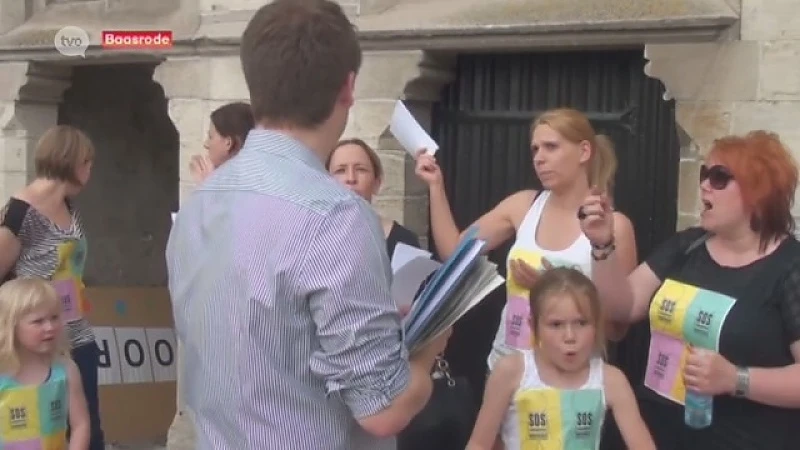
column 767, row 175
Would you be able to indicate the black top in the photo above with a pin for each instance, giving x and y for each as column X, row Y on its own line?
column 763, row 323
column 399, row 233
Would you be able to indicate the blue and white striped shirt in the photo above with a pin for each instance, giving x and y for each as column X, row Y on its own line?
column 280, row 286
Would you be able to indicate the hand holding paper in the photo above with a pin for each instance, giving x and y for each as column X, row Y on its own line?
column 465, row 279
column 524, row 274
column 427, row 169
column 409, row 133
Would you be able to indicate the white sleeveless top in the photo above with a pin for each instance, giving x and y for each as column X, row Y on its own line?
column 544, row 417
column 514, row 332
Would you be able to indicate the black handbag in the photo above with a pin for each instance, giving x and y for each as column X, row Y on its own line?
column 446, row 421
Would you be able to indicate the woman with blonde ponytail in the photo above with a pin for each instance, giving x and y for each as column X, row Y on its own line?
column 604, row 164
column 570, row 160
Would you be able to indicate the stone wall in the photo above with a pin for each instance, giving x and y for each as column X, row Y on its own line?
column 195, row 86
column 733, row 87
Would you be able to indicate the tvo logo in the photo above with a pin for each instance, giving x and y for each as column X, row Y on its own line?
column 72, row 41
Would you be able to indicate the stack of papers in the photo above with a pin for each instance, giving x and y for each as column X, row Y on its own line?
column 456, row 287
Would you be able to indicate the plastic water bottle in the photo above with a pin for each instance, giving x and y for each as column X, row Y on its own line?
column 698, row 410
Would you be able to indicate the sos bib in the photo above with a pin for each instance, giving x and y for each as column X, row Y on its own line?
column 681, row 315
column 546, row 418
column 517, row 314
column 68, row 278
column 34, row 417
column 514, row 330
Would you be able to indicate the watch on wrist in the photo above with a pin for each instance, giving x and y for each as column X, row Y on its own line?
column 742, row 382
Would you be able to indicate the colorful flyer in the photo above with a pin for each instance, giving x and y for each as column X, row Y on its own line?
column 552, row 419
column 517, row 319
column 19, row 413
column 665, row 362
column 705, row 317
column 681, row 315
column 517, row 322
column 70, row 300
column 35, row 417
column 67, row 278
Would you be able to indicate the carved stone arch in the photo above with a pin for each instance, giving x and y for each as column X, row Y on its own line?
column 706, row 80
column 30, row 98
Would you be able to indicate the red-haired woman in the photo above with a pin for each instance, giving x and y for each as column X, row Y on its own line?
column 723, row 301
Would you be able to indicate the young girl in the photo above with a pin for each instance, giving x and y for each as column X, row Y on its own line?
column 40, row 386
column 555, row 396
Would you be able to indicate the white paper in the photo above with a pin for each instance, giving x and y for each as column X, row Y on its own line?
column 409, row 133
column 404, row 253
column 407, row 280
column 173, row 216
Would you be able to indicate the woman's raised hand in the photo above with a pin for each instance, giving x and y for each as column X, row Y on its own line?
column 427, row 169
column 597, row 218
column 200, row 167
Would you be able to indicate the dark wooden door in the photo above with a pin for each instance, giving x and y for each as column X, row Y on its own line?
column 482, row 125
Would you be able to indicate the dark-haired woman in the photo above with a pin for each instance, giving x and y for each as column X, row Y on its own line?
column 226, row 135
column 227, row 132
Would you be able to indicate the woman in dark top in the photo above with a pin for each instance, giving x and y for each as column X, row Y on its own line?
column 358, row 167
column 723, row 301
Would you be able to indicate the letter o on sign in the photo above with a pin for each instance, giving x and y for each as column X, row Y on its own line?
column 164, row 353
column 139, row 360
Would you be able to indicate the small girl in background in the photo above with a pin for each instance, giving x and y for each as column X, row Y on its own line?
column 555, row 396
column 40, row 386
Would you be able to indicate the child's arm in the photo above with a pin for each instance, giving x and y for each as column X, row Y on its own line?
column 622, row 402
column 500, row 388
column 78, row 412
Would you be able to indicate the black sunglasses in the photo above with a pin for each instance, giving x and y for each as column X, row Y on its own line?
column 718, row 176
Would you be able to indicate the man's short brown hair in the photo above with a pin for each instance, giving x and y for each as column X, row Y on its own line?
column 296, row 56
column 60, row 152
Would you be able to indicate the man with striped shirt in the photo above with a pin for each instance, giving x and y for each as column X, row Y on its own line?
column 279, row 275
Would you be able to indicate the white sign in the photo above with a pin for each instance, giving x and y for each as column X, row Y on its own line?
column 136, row 355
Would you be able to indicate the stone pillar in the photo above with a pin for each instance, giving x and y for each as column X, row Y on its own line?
column 732, row 87
column 194, row 87
column 29, row 99
column 385, row 77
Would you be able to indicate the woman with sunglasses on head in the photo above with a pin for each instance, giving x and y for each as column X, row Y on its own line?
column 723, row 301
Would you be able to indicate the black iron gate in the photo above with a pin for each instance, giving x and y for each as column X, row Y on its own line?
column 482, row 126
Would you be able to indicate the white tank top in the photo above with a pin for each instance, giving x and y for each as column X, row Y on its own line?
column 514, row 332
column 548, row 418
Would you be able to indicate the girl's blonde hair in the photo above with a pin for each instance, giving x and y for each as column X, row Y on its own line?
column 575, row 127
column 19, row 297
column 572, row 282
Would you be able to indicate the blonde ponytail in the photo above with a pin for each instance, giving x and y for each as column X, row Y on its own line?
column 603, row 164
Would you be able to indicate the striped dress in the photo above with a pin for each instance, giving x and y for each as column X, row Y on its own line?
column 55, row 254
